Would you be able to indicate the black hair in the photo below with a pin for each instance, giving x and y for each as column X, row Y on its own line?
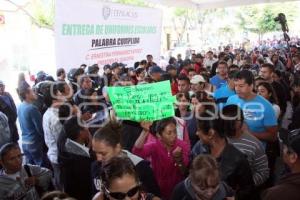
column 232, row 74
column 221, row 55
column 278, row 73
column 6, row 148
column 259, row 78
column 49, row 96
column 206, row 125
column 183, row 94
column 166, row 77
column 136, row 65
column 149, row 55
column 268, row 65
column 139, row 71
column 110, row 134
column 60, row 71
column 61, row 86
column 22, row 92
column 183, row 77
column 64, row 112
column 230, row 115
column 117, row 168
column 223, row 63
column 72, row 128
column 233, row 66
column 172, row 60
column 49, row 78
column 59, row 195
column 191, row 70
column 245, row 75
column 269, row 87
column 82, row 78
column 161, row 124
column 143, row 62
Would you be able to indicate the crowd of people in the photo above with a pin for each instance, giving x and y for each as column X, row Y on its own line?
column 235, row 133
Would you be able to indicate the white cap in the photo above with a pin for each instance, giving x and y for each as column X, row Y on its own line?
column 197, row 79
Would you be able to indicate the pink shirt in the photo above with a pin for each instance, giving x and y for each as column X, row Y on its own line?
column 166, row 172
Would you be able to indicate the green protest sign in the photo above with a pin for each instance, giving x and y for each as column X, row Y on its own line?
column 146, row 102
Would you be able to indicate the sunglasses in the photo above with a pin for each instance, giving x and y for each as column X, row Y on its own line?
column 121, row 195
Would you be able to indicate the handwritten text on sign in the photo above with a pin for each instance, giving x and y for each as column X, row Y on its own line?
column 146, row 102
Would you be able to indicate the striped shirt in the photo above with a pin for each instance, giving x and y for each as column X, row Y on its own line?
column 256, row 156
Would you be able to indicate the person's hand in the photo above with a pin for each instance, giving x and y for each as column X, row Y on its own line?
column 31, row 181
column 177, row 154
column 229, row 198
column 146, row 125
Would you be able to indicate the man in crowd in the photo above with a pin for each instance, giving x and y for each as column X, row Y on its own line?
column 248, row 144
column 197, row 83
column 150, row 62
column 155, row 73
column 86, row 84
column 61, row 74
column 221, row 57
column 5, row 136
column 227, row 90
column 116, row 70
column 183, row 84
column 52, row 129
column 20, row 182
column 209, row 60
column 288, row 186
column 8, row 107
column 30, row 120
column 219, row 79
column 198, row 63
column 259, row 113
column 266, row 72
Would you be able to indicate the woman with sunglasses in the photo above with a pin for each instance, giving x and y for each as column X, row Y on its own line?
column 120, row 182
column 203, row 183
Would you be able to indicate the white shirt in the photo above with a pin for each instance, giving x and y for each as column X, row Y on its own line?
column 52, row 128
column 277, row 110
column 13, row 176
column 209, row 62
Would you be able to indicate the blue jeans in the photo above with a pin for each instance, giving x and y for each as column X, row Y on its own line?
column 35, row 154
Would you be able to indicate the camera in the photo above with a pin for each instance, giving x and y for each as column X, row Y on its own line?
column 280, row 18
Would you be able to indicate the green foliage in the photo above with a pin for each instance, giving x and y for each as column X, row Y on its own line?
column 260, row 18
column 43, row 13
column 265, row 21
column 179, row 12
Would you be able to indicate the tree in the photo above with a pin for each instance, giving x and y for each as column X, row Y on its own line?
column 260, row 19
column 41, row 14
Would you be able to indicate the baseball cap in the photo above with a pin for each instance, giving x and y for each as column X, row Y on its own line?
column 197, row 79
column 155, row 69
column 291, row 139
column 1, row 82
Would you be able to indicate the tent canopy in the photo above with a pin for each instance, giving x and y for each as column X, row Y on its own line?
column 206, row 4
